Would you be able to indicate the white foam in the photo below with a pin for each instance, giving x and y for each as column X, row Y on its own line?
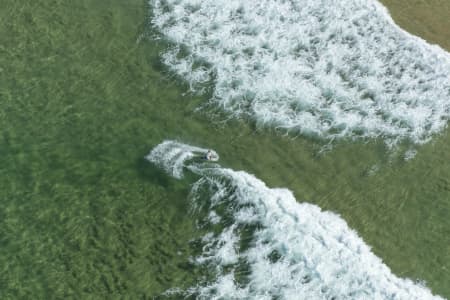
column 323, row 68
column 171, row 156
column 410, row 154
column 266, row 245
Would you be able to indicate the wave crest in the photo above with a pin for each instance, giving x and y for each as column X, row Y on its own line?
column 262, row 244
column 330, row 69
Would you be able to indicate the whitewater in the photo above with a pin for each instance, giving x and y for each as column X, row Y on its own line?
column 260, row 243
column 322, row 68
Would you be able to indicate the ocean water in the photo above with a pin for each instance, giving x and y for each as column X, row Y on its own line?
column 320, row 68
column 85, row 95
column 262, row 244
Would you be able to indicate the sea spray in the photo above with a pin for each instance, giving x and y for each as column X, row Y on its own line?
column 171, row 156
column 260, row 243
column 329, row 69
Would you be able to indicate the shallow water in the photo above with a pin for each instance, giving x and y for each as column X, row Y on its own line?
column 254, row 242
column 82, row 214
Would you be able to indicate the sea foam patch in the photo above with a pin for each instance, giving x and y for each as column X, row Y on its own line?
column 262, row 244
column 326, row 68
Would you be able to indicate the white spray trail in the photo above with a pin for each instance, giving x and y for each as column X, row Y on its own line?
column 171, row 156
column 263, row 244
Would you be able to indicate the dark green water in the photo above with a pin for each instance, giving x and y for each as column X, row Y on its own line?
column 83, row 216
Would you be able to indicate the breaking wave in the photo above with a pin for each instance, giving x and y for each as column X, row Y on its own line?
column 330, row 69
column 260, row 243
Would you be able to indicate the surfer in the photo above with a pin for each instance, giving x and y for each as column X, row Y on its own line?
column 209, row 155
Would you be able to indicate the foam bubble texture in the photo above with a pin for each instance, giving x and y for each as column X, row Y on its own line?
column 171, row 156
column 262, row 244
column 331, row 69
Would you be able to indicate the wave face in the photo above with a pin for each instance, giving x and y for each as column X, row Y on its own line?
column 260, row 243
column 330, row 69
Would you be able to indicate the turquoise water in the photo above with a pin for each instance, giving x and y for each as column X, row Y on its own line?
column 82, row 214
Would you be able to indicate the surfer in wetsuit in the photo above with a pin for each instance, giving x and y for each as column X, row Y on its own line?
column 208, row 155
